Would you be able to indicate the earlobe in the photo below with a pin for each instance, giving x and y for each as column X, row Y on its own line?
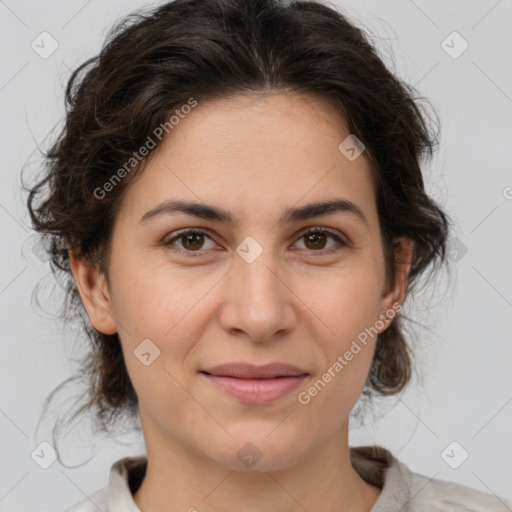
column 94, row 294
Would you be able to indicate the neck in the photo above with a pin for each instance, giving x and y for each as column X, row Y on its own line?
column 180, row 479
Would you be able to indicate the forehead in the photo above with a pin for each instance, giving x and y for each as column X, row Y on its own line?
column 255, row 121
column 254, row 152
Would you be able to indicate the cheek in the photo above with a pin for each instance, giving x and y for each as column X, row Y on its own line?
column 162, row 331
column 150, row 298
column 348, row 301
column 346, row 353
column 347, row 307
column 167, row 307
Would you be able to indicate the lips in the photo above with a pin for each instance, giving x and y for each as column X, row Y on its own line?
column 248, row 371
column 255, row 385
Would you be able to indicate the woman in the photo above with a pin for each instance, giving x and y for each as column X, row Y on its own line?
column 238, row 204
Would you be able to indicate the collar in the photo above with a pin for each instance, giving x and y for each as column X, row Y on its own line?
column 374, row 464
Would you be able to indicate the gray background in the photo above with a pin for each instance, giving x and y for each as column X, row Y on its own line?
column 462, row 390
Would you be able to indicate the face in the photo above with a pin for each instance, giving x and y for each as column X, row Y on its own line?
column 271, row 285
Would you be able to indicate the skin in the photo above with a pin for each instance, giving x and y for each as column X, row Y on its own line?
column 253, row 156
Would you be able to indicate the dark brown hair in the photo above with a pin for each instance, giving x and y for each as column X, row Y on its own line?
column 152, row 64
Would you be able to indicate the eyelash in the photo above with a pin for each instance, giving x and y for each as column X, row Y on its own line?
column 197, row 253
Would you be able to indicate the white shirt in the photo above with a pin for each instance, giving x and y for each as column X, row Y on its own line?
column 402, row 489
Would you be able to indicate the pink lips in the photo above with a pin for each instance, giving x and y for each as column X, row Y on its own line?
column 256, row 384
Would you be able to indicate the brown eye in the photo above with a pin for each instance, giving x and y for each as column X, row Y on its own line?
column 316, row 240
column 191, row 241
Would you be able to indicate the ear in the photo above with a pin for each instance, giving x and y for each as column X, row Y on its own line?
column 94, row 293
column 394, row 297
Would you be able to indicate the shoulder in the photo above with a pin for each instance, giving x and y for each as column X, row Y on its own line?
column 408, row 491
column 93, row 503
column 431, row 494
column 125, row 475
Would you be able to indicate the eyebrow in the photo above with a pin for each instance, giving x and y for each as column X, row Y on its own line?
column 204, row 211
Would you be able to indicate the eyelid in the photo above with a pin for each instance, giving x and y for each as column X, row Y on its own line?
column 330, row 231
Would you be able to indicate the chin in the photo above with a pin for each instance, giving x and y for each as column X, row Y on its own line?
column 258, row 450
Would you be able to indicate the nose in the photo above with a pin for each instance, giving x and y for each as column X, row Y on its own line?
column 258, row 299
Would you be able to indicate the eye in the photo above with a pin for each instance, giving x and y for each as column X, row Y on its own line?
column 315, row 240
column 192, row 240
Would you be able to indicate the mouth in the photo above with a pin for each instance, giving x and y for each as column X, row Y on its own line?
column 255, row 384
